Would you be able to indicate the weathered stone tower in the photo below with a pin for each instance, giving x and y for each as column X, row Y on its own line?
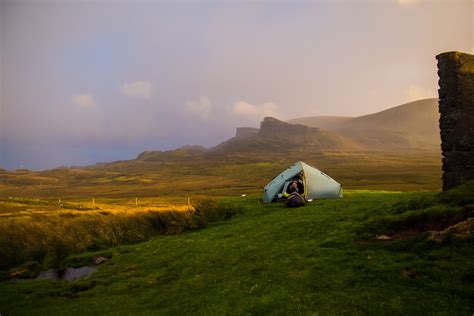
column 456, row 107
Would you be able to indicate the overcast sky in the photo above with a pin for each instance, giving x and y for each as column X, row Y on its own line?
column 88, row 81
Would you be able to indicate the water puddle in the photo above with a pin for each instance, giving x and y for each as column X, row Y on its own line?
column 67, row 274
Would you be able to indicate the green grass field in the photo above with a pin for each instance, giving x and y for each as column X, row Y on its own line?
column 267, row 259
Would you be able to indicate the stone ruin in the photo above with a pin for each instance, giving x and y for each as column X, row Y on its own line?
column 456, row 107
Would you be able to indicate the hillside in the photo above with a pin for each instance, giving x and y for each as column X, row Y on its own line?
column 321, row 259
column 412, row 125
column 170, row 155
column 274, row 136
column 278, row 136
column 326, row 122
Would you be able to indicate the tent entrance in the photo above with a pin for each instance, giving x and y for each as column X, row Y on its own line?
column 285, row 191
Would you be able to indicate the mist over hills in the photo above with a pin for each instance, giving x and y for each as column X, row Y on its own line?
column 411, row 126
column 274, row 136
column 400, row 151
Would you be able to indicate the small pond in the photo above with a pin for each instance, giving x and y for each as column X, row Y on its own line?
column 67, row 274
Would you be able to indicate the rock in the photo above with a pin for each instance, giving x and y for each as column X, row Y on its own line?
column 99, row 260
column 383, row 238
column 437, row 237
column 246, row 132
column 461, row 230
column 456, row 106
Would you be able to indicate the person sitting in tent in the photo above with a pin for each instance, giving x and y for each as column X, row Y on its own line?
column 292, row 187
column 294, row 193
column 296, row 185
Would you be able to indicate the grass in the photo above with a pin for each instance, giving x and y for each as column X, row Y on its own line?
column 222, row 176
column 232, row 254
column 45, row 232
column 272, row 260
column 426, row 212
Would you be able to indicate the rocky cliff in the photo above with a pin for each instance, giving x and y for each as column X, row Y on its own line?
column 246, row 132
column 278, row 136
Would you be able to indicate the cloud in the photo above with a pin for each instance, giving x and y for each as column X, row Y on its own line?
column 415, row 92
column 83, row 100
column 407, row 2
column 139, row 89
column 259, row 111
column 201, row 107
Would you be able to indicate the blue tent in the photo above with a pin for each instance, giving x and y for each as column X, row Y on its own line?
column 317, row 184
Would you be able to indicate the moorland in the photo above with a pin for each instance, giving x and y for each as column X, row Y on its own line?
column 184, row 231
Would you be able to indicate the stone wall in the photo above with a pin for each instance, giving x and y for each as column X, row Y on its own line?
column 456, row 107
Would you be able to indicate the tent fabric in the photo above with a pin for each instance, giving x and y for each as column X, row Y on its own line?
column 318, row 185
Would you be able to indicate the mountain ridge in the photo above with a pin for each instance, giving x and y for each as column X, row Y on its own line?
column 410, row 126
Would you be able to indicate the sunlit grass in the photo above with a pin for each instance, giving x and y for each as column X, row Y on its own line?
column 46, row 231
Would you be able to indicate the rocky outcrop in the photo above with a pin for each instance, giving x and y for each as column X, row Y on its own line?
column 456, row 107
column 461, row 230
column 271, row 127
column 275, row 136
column 246, row 132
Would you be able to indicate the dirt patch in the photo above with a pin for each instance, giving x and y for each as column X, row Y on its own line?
column 410, row 274
column 408, row 233
column 461, row 230
column 438, row 232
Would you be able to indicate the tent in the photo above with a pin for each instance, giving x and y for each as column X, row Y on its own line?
column 317, row 184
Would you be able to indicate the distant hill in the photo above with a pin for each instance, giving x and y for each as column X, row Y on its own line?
column 179, row 153
column 274, row 136
column 326, row 122
column 412, row 125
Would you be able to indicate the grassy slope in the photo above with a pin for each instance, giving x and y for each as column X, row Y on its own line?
column 411, row 125
column 268, row 260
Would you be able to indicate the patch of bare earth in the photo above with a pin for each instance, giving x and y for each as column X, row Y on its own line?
column 437, row 231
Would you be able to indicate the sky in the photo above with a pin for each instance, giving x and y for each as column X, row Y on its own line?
column 92, row 81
